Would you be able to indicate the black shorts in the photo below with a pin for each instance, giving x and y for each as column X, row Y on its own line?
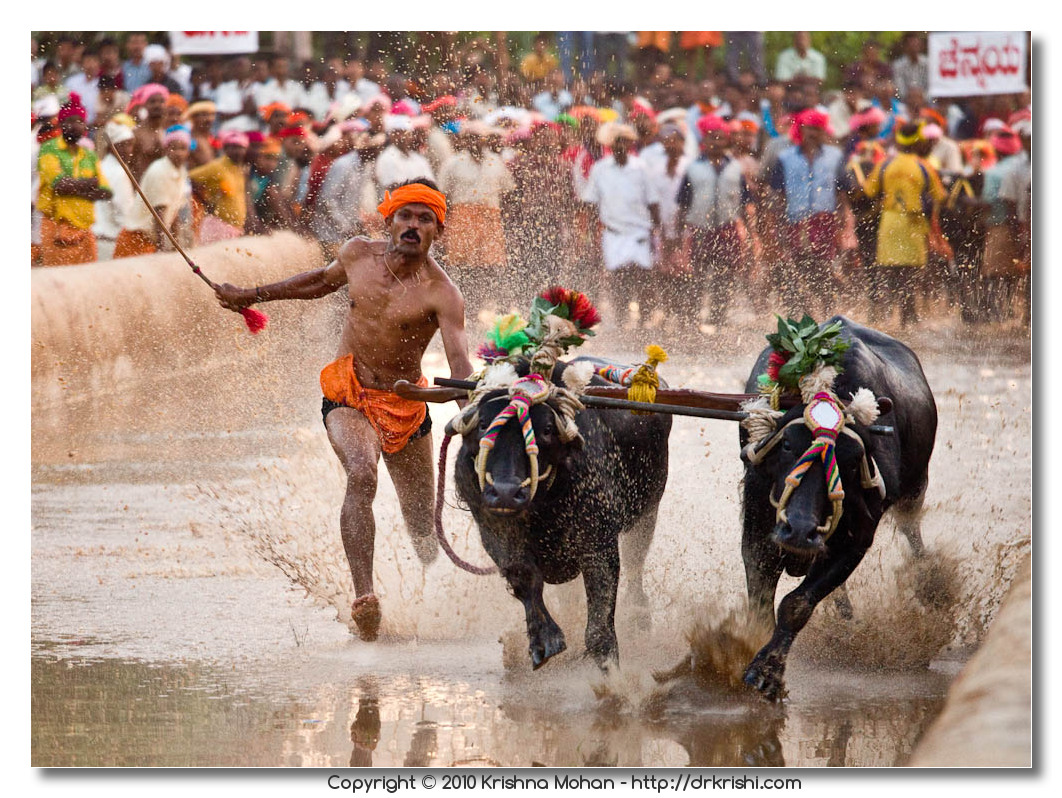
column 327, row 406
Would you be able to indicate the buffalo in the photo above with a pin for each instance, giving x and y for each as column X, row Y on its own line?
column 804, row 526
column 553, row 487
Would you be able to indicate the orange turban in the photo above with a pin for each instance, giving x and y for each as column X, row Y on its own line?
column 415, row 192
column 267, row 111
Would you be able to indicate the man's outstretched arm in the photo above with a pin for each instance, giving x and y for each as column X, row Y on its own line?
column 307, row 285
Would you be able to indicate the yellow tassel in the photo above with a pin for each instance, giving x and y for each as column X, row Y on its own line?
column 645, row 380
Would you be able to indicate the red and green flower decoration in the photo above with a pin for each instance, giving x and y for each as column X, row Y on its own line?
column 800, row 348
column 506, row 339
column 512, row 336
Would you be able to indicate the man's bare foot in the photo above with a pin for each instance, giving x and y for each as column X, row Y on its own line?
column 365, row 614
column 427, row 548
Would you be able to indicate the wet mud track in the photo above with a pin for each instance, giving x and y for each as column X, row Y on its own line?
column 164, row 632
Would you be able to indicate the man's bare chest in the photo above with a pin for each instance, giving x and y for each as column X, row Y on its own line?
column 384, row 311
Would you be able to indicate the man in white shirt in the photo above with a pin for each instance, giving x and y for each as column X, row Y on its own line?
column 399, row 162
column 912, row 68
column 475, row 179
column 280, row 88
column 235, row 101
column 359, row 84
column 554, row 99
column 628, row 207
column 112, row 214
column 439, row 146
column 166, row 186
column 337, row 212
column 328, row 91
column 86, row 84
column 800, row 59
column 713, row 198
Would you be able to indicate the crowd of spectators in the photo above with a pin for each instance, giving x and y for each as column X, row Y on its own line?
column 639, row 164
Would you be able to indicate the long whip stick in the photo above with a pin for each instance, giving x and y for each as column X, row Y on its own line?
column 255, row 319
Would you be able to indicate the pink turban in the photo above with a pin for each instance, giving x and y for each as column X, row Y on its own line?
column 149, row 90
column 234, row 137
column 72, row 107
column 932, row 132
column 711, row 122
column 871, row 116
column 178, row 134
column 809, row 117
column 145, row 92
column 1005, row 142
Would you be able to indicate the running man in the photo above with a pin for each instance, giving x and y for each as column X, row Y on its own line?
column 399, row 296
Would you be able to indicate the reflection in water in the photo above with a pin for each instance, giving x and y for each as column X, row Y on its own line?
column 120, row 713
column 115, row 713
column 423, row 747
column 365, row 730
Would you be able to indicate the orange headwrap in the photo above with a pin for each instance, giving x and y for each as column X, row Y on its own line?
column 415, row 192
column 270, row 146
column 177, row 101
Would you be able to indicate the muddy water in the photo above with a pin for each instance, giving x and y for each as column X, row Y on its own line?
column 189, row 593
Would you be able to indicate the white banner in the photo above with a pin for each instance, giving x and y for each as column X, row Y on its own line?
column 966, row 64
column 213, row 42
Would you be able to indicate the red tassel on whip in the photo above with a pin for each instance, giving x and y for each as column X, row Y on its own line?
column 254, row 319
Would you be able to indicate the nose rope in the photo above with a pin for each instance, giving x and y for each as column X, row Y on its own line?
column 440, row 496
column 524, row 393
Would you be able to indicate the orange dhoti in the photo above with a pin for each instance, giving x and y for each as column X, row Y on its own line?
column 474, row 236
column 395, row 420
column 62, row 244
column 131, row 243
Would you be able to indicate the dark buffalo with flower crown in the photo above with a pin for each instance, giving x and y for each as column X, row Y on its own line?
column 795, row 519
column 552, row 485
column 600, row 476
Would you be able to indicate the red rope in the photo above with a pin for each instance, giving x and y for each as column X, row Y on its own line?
column 439, row 495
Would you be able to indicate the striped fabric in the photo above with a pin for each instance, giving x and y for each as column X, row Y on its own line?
column 616, row 374
column 824, row 448
column 526, row 391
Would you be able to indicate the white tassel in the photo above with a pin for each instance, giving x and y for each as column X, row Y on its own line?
column 864, row 407
column 499, row 375
column 578, row 375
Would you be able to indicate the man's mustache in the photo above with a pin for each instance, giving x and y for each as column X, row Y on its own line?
column 411, row 235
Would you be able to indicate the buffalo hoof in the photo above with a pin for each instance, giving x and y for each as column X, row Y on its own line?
column 766, row 680
column 542, row 651
column 640, row 618
column 844, row 605
column 605, row 661
column 426, row 547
